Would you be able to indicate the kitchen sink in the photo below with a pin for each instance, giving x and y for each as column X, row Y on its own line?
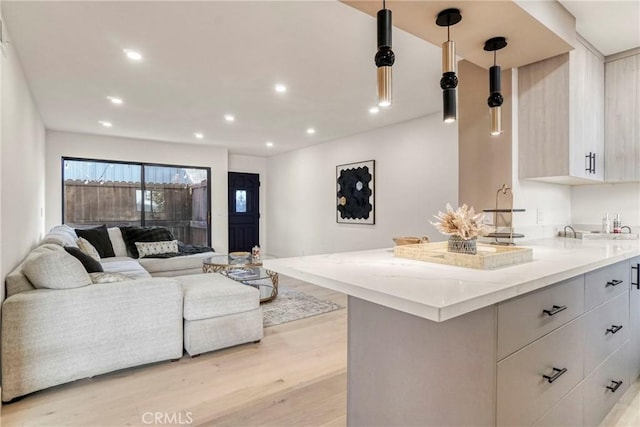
column 596, row 235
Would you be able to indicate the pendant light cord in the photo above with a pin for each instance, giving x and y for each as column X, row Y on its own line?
column 384, row 4
column 448, row 36
column 494, row 58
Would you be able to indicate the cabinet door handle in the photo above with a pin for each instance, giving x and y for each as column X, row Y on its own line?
column 557, row 373
column 555, row 310
column 613, row 283
column 588, row 157
column 637, row 269
column 615, row 387
column 613, row 329
column 593, row 170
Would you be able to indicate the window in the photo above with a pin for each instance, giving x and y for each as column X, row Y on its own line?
column 241, row 201
column 97, row 192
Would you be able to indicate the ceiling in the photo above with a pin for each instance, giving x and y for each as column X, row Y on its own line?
column 202, row 60
column 610, row 26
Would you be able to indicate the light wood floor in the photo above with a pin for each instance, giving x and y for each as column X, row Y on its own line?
column 295, row 377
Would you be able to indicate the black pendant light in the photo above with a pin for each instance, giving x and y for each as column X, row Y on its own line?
column 495, row 97
column 384, row 57
column 449, row 80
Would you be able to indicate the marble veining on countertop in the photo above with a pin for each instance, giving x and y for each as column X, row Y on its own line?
column 439, row 292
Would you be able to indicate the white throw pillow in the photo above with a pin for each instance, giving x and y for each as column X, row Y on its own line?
column 154, row 248
column 56, row 270
column 117, row 242
column 86, row 247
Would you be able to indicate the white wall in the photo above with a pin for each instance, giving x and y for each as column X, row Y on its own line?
column 67, row 144
column 590, row 202
column 252, row 164
column 22, row 155
column 416, row 175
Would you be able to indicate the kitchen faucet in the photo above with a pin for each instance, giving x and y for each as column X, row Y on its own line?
column 572, row 229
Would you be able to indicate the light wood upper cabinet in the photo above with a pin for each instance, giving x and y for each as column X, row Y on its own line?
column 561, row 118
column 622, row 119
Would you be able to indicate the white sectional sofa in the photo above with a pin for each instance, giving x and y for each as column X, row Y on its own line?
column 70, row 328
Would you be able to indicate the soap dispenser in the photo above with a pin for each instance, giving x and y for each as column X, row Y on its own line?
column 606, row 223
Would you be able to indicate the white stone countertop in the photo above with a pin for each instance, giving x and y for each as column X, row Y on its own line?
column 440, row 292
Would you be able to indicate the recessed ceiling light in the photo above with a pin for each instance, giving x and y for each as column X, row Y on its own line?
column 311, row 131
column 229, row 117
column 374, row 110
column 198, row 135
column 132, row 54
column 115, row 100
column 269, row 144
column 105, row 123
column 280, row 88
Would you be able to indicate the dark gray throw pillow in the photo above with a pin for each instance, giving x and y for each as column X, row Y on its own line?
column 88, row 262
column 99, row 238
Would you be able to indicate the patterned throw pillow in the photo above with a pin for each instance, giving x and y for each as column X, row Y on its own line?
column 133, row 234
column 88, row 248
column 108, row 277
column 146, row 249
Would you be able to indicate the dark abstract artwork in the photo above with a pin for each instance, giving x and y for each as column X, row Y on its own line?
column 355, row 193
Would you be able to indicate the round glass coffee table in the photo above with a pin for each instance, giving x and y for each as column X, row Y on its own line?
column 246, row 270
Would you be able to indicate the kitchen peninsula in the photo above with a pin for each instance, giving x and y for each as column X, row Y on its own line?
column 551, row 341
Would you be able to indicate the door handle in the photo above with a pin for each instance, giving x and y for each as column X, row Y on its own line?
column 555, row 310
column 557, row 374
column 637, row 269
column 613, row 283
column 615, row 387
column 613, row 329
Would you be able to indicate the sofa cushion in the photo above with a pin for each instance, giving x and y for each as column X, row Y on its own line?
column 56, row 270
column 159, row 266
column 108, row 277
column 88, row 262
column 213, row 295
column 98, row 237
column 86, row 247
column 62, row 235
column 125, row 265
column 117, row 242
column 131, row 235
column 146, row 249
column 16, row 281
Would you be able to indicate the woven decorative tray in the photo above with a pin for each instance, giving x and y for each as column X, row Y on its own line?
column 488, row 256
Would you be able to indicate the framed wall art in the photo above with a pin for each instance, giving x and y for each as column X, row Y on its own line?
column 355, row 190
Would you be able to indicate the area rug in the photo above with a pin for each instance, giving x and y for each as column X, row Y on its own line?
column 292, row 305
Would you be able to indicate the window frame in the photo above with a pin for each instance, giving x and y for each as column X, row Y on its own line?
column 142, row 183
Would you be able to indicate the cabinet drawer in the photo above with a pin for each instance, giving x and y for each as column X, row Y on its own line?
column 606, row 329
column 522, row 320
column 605, row 283
column 524, row 395
column 569, row 412
column 598, row 398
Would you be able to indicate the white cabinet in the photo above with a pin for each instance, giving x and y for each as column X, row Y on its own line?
column 561, row 118
column 622, row 119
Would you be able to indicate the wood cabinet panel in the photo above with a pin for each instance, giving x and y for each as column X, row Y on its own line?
column 607, row 328
column 522, row 320
column 569, row 412
column 561, row 118
column 605, row 283
column 622, row 119
column 634, row 319
column 524, row 395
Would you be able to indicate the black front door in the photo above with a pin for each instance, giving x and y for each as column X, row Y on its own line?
column 244, row 211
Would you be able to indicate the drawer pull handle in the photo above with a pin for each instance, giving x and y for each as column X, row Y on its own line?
column 613, row 283
column 637, row 269
column 613, row 329
column 557, row 374
column 615, row 387
column 555, row 310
